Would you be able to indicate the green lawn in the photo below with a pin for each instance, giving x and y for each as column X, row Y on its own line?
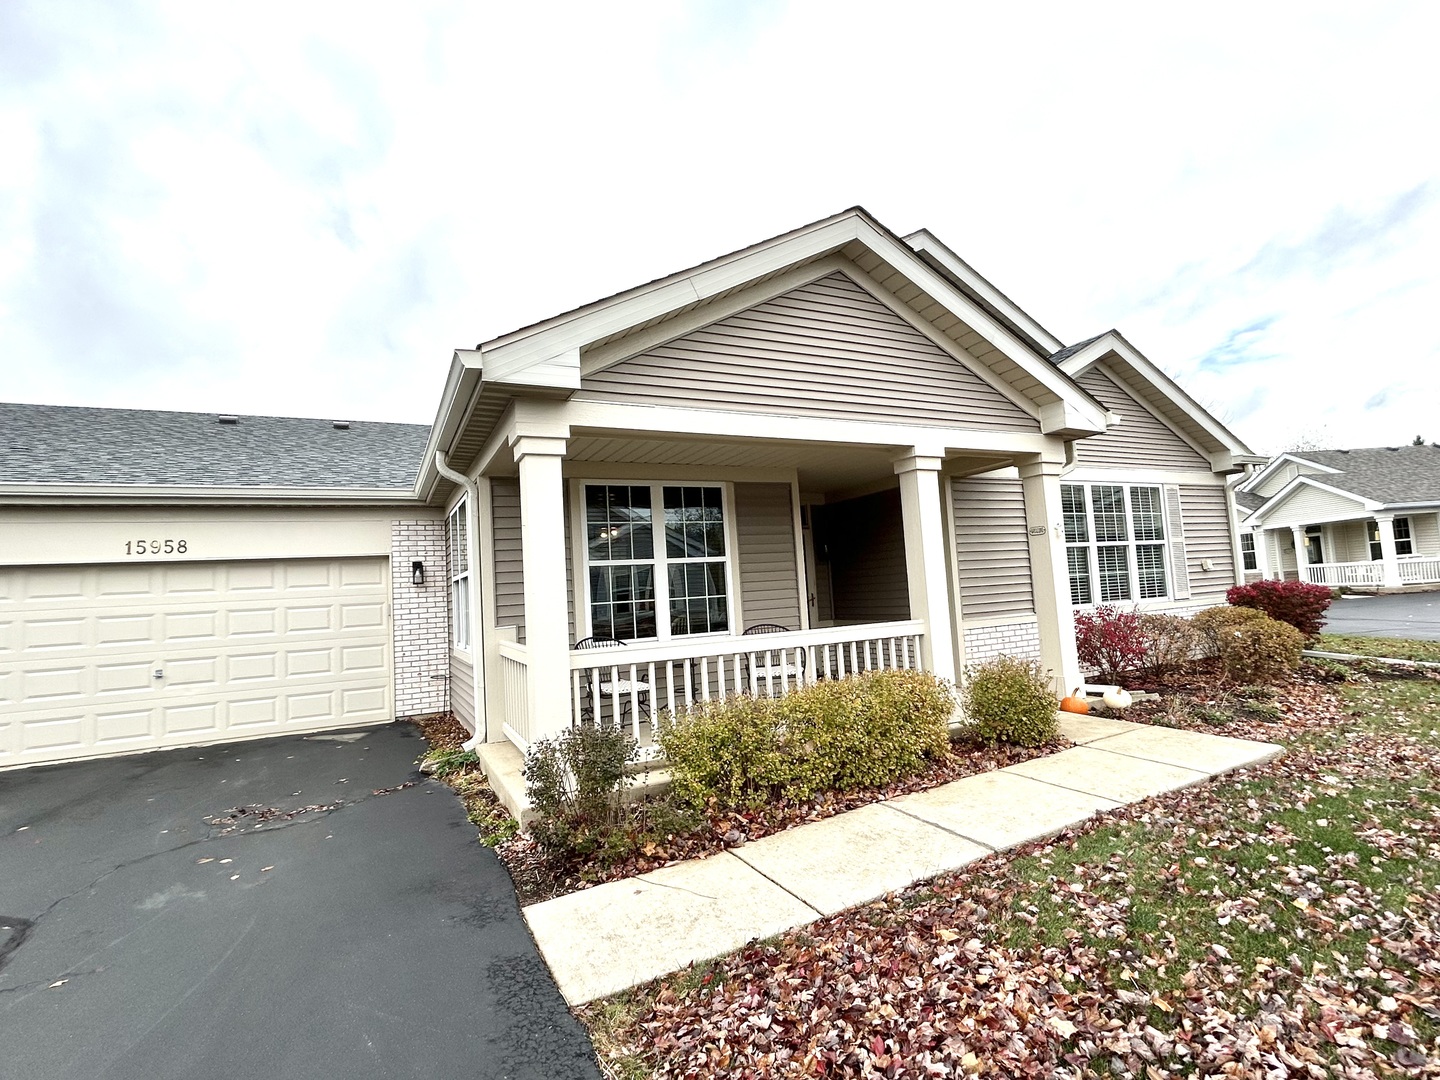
column 1395, row 648
column 1287, row 919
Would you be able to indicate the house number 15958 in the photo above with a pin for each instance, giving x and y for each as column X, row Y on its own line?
column 156, row 547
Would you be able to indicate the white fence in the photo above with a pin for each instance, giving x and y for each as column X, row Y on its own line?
column 1419, row 569
column 629, row 684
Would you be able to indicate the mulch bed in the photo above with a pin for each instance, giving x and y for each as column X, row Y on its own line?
column 540, row 877
column 964, row 976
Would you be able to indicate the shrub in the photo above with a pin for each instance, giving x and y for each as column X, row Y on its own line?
column 1298, row 603
column 1010, row 700
column 1110, row 641
column 838, row 735
column 1258, row 650
column 576, row 783
column 1170, row 641
column 1214, row 623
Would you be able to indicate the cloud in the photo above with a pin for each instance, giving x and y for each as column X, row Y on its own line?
column 1239, row 347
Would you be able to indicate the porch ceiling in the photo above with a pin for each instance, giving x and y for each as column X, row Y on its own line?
column 828, row 467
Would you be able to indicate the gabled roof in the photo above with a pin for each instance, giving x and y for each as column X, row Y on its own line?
column 547, row 358
column 1161, row 394
column 1387, row 475
column 45, row 445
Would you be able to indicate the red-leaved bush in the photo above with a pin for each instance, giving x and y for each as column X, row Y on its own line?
column 1298, row 603
column 1110, row 641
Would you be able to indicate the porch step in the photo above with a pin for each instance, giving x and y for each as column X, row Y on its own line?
column 504, row 767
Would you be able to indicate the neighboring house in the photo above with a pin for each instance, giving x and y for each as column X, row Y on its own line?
column 837, row 431
column 1368, row 518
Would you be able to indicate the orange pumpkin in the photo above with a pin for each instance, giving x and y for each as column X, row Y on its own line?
column 1075, row 703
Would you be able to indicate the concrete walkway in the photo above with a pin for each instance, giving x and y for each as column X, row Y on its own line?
column 624, row 933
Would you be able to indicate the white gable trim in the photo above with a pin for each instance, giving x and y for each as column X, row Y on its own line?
column 1256, row 518
column 1250, row 483
column 1119, row 380
column 927, row 243
column 1231, row 451
column 552, row 348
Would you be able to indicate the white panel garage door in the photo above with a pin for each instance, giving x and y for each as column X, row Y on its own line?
column 112, row 659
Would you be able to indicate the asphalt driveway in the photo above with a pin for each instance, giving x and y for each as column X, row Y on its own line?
column 346, row 926
column 1397, row 615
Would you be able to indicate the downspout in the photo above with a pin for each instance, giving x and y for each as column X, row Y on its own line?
column 472, row 496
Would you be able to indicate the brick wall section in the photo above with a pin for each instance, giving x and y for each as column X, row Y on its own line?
column 1020, row 639
column 422, row 617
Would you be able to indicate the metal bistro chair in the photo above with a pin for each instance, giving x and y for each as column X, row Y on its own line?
column 601, row 683
column 774, row 663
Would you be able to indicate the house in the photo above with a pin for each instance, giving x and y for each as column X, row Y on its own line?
column 1367, row 518
column 848, row 438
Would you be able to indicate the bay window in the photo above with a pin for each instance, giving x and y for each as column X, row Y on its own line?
column 1114, row 542
column 642, row 585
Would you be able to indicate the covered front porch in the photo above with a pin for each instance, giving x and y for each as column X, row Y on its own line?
column 1385, row 551
column 624, row 577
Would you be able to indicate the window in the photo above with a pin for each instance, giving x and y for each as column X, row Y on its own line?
column 1314, row 546
column 1404, row 544
column 632, row 579
column 1247, row 551
column 457, row 530
column 1114, row 542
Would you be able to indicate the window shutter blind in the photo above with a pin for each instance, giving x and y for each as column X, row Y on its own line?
column 1175, row 531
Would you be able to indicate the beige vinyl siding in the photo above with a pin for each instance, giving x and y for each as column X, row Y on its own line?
column 992, row 551
column 1309, row 506
column 575, row 635
column 765, row 531
column 1139, row 439
column 509, row 570
column 866, row 537
column 1349, row 542
column 827, row 349
column 462, row 690
column 1207, row 536
column 1425, row 528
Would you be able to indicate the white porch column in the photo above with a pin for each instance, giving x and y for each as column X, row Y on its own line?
column 1389, row 558
column 1050, row 573
column 542, row 556
column 1301, row 555
column 924, row 521
column 1262, row 553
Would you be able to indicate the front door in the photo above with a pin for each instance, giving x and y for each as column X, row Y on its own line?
column 1314, row 552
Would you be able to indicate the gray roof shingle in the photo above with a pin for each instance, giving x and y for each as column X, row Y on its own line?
column 1248, row 500
column 71, row 445
column 1386, row 474
column 1064, row 354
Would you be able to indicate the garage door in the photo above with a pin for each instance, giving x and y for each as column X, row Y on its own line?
column 113, row 659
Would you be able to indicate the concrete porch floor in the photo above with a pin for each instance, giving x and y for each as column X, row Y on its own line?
column 614, row 936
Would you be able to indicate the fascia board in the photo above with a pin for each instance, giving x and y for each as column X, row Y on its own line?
column 1254, row 481
column 72, row 494
column 578, row 329
column 1113, row 342
column 462, row 386
column 925, row 241
column 900, row 256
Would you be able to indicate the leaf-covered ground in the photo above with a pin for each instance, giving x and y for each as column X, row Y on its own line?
column 1283, row 922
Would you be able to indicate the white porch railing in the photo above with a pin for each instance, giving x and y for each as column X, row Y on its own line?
column 631, row 683
column 515, row 693
column 1419, row 569
column 1344, row 573
column 1414, row 570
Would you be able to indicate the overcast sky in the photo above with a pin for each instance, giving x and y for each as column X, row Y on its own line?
column 302, row 209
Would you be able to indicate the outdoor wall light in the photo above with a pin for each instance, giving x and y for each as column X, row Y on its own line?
column 417, row 572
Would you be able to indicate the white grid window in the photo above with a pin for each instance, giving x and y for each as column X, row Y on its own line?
column 457, row 534
column 1115, row 542
column 1404, row 543
column 1247, row 552
column 632, row 579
